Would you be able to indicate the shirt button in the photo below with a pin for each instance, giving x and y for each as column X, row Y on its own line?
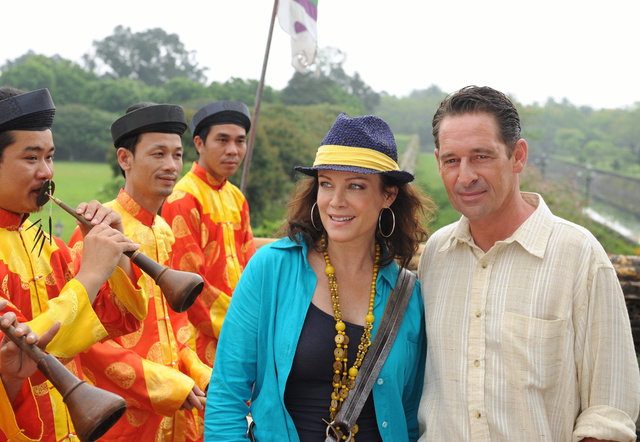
column 484, row 265
column 385, row 424
column 380, row 381
column 478, row 313
column 477, row 415
column 476, row 363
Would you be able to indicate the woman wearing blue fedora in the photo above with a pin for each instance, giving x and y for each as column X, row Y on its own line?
column 308, row 340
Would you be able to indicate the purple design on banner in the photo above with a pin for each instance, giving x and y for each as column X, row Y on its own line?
column 299, row 27
column 310, row 8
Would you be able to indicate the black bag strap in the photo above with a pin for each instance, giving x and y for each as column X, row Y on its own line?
column 373, row 362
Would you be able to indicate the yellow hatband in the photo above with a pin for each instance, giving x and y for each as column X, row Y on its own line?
column 354, row 156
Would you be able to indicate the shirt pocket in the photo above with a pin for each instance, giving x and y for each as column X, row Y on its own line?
column 533, row 350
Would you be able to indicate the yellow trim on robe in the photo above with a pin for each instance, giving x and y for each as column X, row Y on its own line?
column 10, row 429
column 137, row 305
column 72, row 308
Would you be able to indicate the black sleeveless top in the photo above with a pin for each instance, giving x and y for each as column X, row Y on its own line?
column 308, row 393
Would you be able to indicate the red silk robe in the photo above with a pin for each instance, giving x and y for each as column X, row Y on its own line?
column 43, row 290
column 210, row 221
column 154, row 368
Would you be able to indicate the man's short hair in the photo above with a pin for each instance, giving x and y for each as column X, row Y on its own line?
column 481, row 99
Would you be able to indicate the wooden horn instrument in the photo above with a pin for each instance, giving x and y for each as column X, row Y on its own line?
column 93, row 410
column 180, row 288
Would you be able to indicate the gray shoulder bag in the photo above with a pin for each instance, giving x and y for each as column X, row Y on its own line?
column 372, row 364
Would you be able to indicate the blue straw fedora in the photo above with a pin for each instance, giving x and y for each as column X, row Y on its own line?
column 362, row 145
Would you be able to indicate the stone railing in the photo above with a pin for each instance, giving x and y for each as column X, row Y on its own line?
column 628, row 270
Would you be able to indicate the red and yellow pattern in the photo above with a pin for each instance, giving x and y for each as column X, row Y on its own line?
column 210, row 221
column 42, row 289
column 153, row 368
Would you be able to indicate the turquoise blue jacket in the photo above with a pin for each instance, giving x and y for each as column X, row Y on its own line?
column 258, row 342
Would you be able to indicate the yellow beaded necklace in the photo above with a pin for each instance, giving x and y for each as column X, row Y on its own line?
column 344, row 378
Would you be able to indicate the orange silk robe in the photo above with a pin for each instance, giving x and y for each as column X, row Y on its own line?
column 210, row 221
column 154, row 369
column 43, row 290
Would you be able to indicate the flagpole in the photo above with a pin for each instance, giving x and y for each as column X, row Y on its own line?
column 256, row 108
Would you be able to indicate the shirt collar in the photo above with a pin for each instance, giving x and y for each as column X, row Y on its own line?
column 205, row 176
column 135, row 209
column 535, row 232
column 10, row 220
column 533, row 235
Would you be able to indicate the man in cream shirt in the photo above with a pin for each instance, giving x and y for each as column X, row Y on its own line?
column 529, row 337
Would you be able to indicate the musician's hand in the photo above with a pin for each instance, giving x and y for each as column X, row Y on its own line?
column 95, row 212
column 15, row 365
column 102, row 251
column 193, row 400
column 13, row 361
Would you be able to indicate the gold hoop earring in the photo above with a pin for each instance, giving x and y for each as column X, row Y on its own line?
column 312, row 221
column 393, row 224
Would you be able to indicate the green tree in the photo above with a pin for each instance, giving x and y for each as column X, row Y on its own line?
column 433, row 93
column 551, row 118
column 413, row 114
column 600, row 154
column 330, row 64
column 152, row 56
column 570, row 142
column 181, row 90
column 82, row 134
column 241, row 90
column 65, row 80
column 267, row 186
column 330, row 84
column 305, row 89
column 625, row 132
column 32, row 73
column 116, row 95
column 286, row 136
column 370, row 99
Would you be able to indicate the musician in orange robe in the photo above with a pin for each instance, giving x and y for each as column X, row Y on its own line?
column 209, row 217
column 43, row 279
column 154, row 369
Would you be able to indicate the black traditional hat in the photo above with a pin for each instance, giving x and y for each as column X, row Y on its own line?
column 163, row 118
column 363, row 145
column 28, row 111
column 221, row 112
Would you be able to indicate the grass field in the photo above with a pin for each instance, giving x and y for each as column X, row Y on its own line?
column 75, row 182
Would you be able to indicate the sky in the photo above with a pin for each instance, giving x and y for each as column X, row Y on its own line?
column 585, row 52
